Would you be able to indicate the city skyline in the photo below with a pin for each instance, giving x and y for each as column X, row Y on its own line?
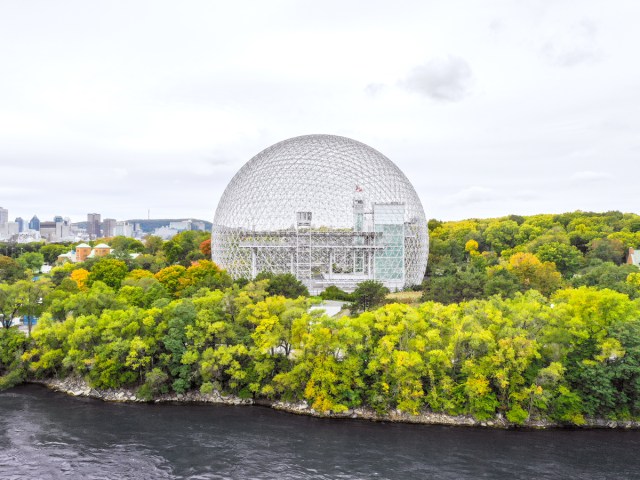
column 491, row 109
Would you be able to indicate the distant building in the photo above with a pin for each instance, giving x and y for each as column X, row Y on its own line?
column 20, row 222
column 123, row 229
column 58, row 218
column 34, row 223
column 100, row 250
column 48, row 231
column 109, row 227
column 84, row 251
column 4, row 216
column 28, row 236
column 63, row 229
column 8, row 230
column 93, row 225
column 633, row 257
column 166, row 233
column 183, row 225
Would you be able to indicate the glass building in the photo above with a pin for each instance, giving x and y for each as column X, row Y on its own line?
column 328, row 209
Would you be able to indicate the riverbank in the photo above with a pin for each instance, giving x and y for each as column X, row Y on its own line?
column 77, row 387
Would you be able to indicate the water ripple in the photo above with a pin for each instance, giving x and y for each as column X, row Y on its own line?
column 45, row 435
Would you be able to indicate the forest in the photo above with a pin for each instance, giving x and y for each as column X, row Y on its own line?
column 521, row 317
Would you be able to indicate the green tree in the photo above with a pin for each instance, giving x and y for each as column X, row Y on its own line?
column 501, row 235
column 10, row 304
column 607, row 250
column 32, row 261
column 10, row 270
column 465, row 284
column 110, row 271
column 12, row 345
column 51, row 251
column 567, row 258
column 184, row 247
column 126, row 244
column 285, row 284
column 368, row 295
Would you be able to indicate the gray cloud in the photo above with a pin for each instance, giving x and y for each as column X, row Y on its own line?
column 445, row 79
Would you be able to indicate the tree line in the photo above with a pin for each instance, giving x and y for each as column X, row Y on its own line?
column 553, row 347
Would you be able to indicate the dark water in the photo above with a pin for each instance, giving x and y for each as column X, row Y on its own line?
column 47, row 435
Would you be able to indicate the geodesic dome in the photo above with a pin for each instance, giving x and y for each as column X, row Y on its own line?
column 330, row 210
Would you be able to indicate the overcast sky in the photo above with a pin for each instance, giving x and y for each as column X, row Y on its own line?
column 490, row 108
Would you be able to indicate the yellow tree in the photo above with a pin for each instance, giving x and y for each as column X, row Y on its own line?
column 532, row 273
column 81, row 277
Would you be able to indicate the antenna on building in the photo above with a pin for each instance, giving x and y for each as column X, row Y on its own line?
column 148, row 214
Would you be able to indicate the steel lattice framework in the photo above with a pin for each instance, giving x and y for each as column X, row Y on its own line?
column 330, row 210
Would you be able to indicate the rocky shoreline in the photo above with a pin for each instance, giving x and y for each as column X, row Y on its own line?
column 77, row 387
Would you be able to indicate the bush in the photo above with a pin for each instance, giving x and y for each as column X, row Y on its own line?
column 334, row 293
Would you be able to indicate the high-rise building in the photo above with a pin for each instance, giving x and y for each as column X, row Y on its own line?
column 48, row 231
column 34, row 224
column 109, row 227
column 63, row 228
column 123, row 228
column 4, row 216
column 93, row 225
column 20, row 222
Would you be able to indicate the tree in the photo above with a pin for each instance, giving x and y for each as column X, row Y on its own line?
column 463, row 285
column 31, row 296
column 184, row 247
column 109, row 271
column 51, row 251
column 368, row 295
column 9, row 304
column 10, row 270
column 32, row 261
column 285, row 284
column 24, row 297
column 607, row 250
column 12, row 346
column 81, row 277
column 127, row 244
column 204, row 274
column 153, row 244
column 205, row 248
column 606, row 275
column 567, row 258
column 501, row 234
column 171, row 278
column 533, row 273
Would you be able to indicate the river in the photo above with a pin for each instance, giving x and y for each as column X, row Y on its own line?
column 48, row 435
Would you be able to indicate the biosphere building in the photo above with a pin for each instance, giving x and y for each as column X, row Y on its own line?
column 328, row 209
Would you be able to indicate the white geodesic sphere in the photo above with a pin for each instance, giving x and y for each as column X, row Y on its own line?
column 321, row 174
